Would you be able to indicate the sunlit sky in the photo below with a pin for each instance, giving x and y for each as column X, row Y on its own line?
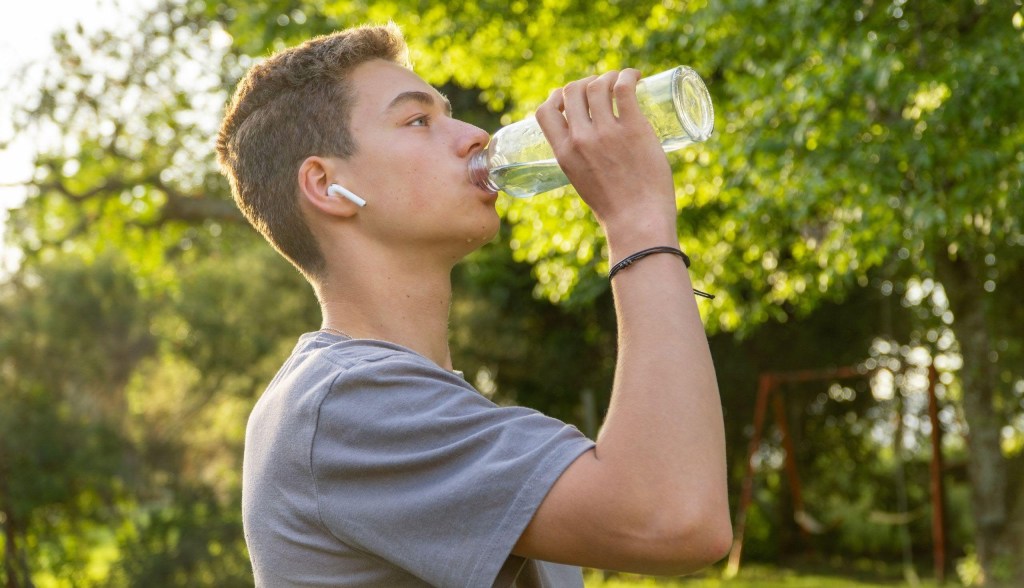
column 25, row 31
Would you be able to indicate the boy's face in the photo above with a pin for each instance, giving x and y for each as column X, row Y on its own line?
column 411, row 165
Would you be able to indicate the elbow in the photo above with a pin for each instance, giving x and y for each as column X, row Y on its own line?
column 712, row 542
column 680, row 545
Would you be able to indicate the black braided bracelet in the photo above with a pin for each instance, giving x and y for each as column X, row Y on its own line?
column 630, row 260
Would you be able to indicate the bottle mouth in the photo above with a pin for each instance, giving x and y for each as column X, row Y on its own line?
column 692, row 103
column 479, row 172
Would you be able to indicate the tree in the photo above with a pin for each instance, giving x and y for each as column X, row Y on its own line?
column 72, row 337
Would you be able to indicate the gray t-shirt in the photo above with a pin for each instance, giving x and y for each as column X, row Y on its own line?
column 368, row 465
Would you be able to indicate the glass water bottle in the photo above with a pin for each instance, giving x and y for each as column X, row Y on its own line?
column 519, row 161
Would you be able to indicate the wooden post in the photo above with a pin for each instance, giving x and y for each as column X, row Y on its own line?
column 792, row 476
column 936, row 486
column 765, row 385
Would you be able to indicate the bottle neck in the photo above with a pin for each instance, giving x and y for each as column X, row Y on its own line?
column 480, row 173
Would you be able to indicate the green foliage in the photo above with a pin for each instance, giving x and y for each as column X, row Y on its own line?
column 125, row 406
column 73, row 333
column 534, row 353
column 121, row 122
column 227, row 320
column 861, row 574
column 195, row 541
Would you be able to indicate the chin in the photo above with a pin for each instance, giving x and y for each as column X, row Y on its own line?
column 481, row 238
column 491, row 230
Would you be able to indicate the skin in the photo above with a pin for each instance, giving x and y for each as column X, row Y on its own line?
column 389, row 264
column 651, row 497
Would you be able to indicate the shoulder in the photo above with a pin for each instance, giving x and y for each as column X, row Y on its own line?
column 358, row 378
column 349, row 378
column 381, row 365
column 365, row 354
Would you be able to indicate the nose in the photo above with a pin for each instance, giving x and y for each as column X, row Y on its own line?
column 471, row 138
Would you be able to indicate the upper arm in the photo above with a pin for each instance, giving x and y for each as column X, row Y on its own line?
column 413, row 466
column 591, row 519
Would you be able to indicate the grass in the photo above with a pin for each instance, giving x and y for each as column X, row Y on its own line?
column 846, row 575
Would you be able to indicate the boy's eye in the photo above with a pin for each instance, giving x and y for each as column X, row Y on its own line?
column 421, row 121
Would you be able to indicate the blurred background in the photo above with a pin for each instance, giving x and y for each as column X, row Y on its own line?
column 857, row 213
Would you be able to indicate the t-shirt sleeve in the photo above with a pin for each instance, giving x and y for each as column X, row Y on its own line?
column 411, row 464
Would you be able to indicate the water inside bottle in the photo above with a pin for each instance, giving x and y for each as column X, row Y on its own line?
column 526, row 179
column 666, row 123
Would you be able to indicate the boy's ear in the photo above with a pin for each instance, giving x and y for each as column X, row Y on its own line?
column 316, row 174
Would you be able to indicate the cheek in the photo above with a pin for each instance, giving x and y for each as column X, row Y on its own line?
column 408, row 175
column 385, row 177
column 420, row 187
column 411, row 170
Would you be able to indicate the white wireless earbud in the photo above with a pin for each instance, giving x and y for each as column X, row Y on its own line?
column 337, row 190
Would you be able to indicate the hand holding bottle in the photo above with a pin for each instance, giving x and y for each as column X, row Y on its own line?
column 614, row 159
column 519, row 161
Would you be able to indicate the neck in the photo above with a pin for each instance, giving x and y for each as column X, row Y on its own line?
column 388, row 300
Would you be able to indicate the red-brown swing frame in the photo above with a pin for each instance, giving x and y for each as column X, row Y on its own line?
column 770, row 382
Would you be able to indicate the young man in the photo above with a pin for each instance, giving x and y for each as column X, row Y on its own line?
column 368, row 461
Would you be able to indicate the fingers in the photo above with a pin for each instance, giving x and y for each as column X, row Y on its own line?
column 595, row 98
column 549, row 117
column 568, row 110
column 588, row 105
column 599, row 98
column 577, row 105
column 624, row 91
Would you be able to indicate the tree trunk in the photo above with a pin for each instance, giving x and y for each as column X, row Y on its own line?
column 1013, row 538
column 15, row 562
column 986, row 465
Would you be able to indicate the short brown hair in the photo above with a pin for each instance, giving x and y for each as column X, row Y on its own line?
column 291, row 106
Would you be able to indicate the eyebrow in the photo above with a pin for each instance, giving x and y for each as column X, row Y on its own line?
column 424, row 98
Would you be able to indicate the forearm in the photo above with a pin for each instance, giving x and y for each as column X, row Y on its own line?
column 664, row 426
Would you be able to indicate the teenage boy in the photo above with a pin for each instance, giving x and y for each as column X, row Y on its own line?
column 368, row 461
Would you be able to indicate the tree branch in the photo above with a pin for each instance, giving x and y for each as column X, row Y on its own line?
column 194, row 209
column 190, row 208
column 106, row 188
